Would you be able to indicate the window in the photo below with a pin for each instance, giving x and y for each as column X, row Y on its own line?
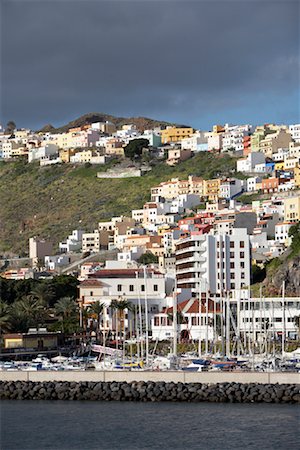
column 242, row 244
column 242, row 255
column 231, row 254
column 242, row 265
column 232, row 285
column 232, row 275
column 155, row 287
column 156, row 321
column 195, row 320
column 119, row 287
column 231, row 244
column 242, row 276
column 91, row 293
column 131, row 288
column 143, row 288
column 232, row 265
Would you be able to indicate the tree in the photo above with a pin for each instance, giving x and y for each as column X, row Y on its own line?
column 96, row 309
column 294, row 233
column 4, row 317
column 119, row 306
column 148, row 258
column 10, row 127
column 67, row 310
column 135, row 148
column 44, row 293
column 27, row 312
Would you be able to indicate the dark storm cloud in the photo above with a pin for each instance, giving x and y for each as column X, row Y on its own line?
column 184, row 61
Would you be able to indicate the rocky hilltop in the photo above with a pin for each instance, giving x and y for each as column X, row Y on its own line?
column 142, row 123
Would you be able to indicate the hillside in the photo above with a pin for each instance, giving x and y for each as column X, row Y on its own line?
column 51, row 201
column 142, row 123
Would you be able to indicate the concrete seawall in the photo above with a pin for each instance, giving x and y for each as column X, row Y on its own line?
column 169, row 376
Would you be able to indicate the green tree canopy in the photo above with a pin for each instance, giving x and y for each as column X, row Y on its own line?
column 148, row 258
column 294, row 233
column 135, row 148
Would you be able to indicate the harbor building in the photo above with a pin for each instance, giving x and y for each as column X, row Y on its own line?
column 214, row 263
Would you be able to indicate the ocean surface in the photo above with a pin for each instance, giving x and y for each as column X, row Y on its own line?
column 63, row 425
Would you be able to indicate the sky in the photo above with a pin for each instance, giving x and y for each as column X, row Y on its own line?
column 191, row 62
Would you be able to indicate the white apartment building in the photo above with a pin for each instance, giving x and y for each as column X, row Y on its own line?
column 91, row 242
column 214, row 263
column 73, row 242
column 248, row 164
column 233, row 138
column 295, row 132
column 230, row 188
column 252, row 183
column 44, row 152
column 197, row 142
column 282, row 233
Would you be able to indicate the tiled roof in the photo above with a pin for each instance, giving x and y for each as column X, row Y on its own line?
column 91, row 282
column 194, row 307
column 122, row 273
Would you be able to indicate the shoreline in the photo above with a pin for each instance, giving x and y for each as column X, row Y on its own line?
column 141, row 391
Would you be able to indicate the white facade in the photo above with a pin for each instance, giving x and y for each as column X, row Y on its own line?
column 44, row 152
column 54, row 262
column 217, row 263
column 270, row 317
column 230, row 188
column 295, row 132
column 252, row 183
column 248, row 164
column 73, row 242
column 282, row 233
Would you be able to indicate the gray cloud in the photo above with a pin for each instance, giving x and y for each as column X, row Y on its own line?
column 181, row 61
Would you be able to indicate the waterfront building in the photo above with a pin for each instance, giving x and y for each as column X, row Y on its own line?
column 213, row 263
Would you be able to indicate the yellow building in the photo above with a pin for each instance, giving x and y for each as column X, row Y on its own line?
column 292, row 209
column 297, row 176
column 212, row 189
column 173, row 134
column 279, row 165
column 66, row 154
column 65, row 140
column 218, row 129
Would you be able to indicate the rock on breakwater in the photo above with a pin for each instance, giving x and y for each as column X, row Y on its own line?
column 151, row 391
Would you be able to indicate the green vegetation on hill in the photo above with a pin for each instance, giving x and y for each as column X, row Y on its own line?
column 52, row 201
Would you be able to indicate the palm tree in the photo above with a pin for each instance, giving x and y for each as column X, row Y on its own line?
column 32, row 310
column 4, row 317
column 120, row 306
column 43, row 292
column 66, row 309
column 96, row 309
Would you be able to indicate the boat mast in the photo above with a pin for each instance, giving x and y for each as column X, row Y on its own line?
column 146, row 317
column 283, row 319
column 199, row 312
column 175, row 319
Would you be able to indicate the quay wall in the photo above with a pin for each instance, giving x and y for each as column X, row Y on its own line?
column 168, row 376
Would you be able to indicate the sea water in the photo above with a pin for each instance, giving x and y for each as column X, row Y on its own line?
column 71, row 425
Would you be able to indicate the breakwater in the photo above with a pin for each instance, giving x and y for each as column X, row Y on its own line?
column 150, row 391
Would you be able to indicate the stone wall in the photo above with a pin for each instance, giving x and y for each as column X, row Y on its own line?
column 150, row 391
